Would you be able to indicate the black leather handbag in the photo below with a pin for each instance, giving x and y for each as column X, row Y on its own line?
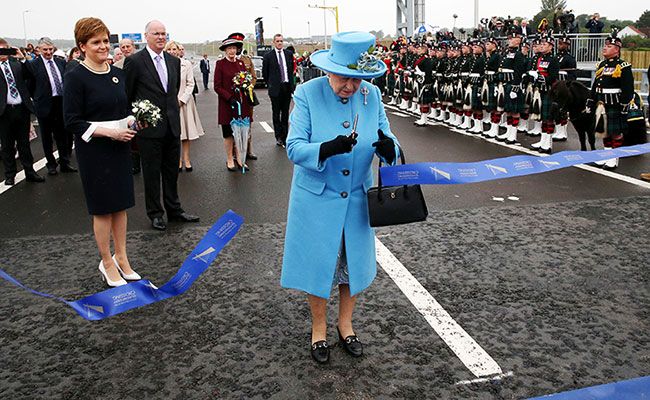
column 395, row 205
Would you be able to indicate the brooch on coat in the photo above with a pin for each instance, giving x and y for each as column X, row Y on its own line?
column 115, row 80
column 365, row 92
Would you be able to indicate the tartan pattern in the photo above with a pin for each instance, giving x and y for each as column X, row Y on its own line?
column 547, row 102
column 492, row 99
column 616, row 123
column 476, row 98
column 426, row 96
column 513, row 105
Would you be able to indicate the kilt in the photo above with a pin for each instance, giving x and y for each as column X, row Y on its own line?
column 492, row 98
column 476, row 97
column 513, row 105
column 390, row 81
column 426, row 94
column 547, row 102
column 616, row 123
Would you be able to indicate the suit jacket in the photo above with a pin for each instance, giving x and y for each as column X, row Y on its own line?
column 272, row 74
column 204, row 66
column 18, row 71
column 40, row 86
column 143, row 83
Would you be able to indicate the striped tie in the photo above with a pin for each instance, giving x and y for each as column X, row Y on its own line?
column 57, row 81
column 13, row 89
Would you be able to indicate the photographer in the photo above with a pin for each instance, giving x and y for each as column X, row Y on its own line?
column 595, row 25
column 15, row 108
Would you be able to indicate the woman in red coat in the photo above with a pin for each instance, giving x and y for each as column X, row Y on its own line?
column 224, row 72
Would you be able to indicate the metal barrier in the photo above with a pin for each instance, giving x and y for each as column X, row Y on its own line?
column 307, row 73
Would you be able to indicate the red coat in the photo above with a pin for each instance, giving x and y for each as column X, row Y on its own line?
column 224, row 71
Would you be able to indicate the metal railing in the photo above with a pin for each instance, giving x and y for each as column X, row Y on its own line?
column 307, row 73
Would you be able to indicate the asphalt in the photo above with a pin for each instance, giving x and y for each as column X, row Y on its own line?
column 555, row 287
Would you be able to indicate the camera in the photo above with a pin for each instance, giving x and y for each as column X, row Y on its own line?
column 8, row 51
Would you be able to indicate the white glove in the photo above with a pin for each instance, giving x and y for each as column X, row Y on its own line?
column 496, row 91
column 534, row 74
column 513, row 95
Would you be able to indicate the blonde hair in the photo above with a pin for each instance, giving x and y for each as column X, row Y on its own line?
column 171, row 44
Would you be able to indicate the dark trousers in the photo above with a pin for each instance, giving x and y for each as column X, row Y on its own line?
column 280, row 106
column 160, row 158
column 206, row 75
column 52, row 130
column 14, row 134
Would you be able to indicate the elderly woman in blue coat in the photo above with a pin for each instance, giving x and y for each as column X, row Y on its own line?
column 337, row 126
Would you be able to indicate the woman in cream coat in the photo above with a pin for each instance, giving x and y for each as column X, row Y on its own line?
column 191, row 128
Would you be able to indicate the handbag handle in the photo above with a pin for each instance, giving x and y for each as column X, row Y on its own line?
column 379, row 185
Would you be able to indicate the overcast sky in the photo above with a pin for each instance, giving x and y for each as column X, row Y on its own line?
column 196, row 21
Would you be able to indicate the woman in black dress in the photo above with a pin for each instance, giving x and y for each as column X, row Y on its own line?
column 96, row 109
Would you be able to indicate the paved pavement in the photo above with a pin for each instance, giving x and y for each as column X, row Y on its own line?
column 554, row 288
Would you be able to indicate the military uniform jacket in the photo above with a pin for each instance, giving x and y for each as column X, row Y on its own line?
column 425, row 64
column 614, row 83
column 465, row 67
column 477, row 69
column 567, row 66
column 512, row 66
column 492, row 66
column 548, row 66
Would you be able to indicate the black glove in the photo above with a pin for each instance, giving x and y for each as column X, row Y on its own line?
column 385, row 147
column 339, row 145
column 589, row 106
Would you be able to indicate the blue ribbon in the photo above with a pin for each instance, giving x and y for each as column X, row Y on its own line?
column 445, row 173
column 141, row 293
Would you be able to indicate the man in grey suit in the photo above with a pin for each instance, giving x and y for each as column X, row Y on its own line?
column 152, row 74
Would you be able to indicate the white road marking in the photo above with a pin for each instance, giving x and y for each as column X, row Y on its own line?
column 520, row 148
column 513, row 198
column 20, row 176
column 501, row 199
column 266, row 127
column 399, row 114
column 477, row 360
column 490, row 379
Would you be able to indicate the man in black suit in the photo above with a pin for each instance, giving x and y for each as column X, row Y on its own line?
column 277, row 70
column 154, row 75
column 205, row 70
column 15, row 109
column 46, row 74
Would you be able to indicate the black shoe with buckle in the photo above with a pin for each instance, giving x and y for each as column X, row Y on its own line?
column 351, row 344
column 320, row 351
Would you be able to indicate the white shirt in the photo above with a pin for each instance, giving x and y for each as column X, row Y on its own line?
column 153, row 55
column 283, row 67
column 10, row 100
column 49, row 74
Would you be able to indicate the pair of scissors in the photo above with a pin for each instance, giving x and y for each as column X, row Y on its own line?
column 354, row 133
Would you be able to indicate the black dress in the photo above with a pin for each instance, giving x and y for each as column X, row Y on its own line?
column 105, row 165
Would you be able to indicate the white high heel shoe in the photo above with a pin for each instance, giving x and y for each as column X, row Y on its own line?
column 132, row 277
column 105, row 278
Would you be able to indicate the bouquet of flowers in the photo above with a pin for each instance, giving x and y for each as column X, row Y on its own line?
column 244, row 82
column 145, row 111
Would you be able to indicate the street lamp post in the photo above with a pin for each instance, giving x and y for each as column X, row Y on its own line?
column 453, row 30
column 334, row 10
column 280, row 10
column 25, row 26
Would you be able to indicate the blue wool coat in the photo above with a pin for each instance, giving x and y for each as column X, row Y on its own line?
column 329, row 198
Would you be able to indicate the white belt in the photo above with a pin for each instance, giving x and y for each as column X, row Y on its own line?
column 608, row 91
column 475, row 75
column 506, row 70
column 117, row 124
column 563, row 73
column 490, row 72
column 464, row 74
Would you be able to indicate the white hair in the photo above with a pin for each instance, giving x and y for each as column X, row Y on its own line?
column 45, row 41
column 146, row 27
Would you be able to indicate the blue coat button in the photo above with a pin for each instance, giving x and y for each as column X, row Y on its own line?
column 345, row 172
column 346, row 124
column 344, row 195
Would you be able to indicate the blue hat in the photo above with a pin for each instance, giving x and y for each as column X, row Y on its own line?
column 350, row 56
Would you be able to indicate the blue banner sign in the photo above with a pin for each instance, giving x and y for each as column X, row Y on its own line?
column 141, row 293
column 447, row 173
column 136, row 37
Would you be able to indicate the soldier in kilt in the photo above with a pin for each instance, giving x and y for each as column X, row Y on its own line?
column 488, row 95
column 402, row 75
column 449, row 78
column 435, row 61
column 391, row 63
column 464, row 91
column 513, row 66
column 548, row 70
column 453, row 74
column 567, row 73
column 526, row 87
column 424, row 69
column 611, row 95
column 439, row 84
column 533, row 98
column 476, row 79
